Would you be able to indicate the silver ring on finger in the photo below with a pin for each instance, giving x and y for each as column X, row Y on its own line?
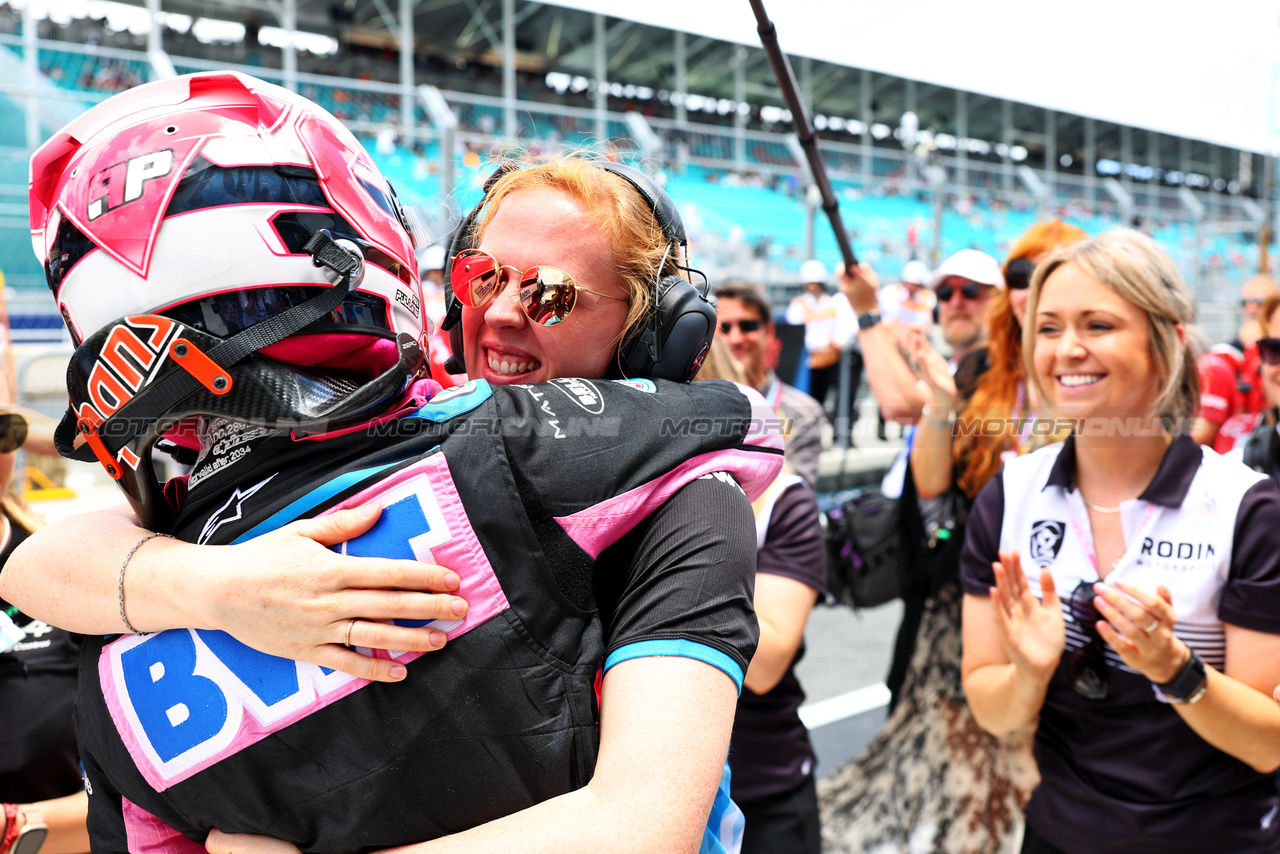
column 347, row 641
column 1155, row 624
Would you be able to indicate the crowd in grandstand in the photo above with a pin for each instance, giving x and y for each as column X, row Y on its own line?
column 491, row 586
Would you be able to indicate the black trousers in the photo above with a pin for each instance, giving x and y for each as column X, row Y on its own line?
column 783, row 824
column 822, row 380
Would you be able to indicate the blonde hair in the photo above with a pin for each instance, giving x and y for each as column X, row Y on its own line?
column 630, row 226
column 1134, row 267
column 720, row 364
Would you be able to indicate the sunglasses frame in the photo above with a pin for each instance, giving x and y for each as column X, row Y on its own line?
column 726, row 326
column 13, row 432
column 525, row 305
column 1269, row 350
column 1088, row 664
column 969, row 290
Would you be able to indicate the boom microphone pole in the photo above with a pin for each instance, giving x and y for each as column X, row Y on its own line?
column 804, row 130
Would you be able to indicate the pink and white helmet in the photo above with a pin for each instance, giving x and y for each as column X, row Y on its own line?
column 220, row 246
column 205, row 188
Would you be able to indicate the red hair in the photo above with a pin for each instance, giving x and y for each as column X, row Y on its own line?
column 975, row 453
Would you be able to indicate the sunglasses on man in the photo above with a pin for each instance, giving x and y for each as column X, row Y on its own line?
column 547, row 294
column 744, row 326
column 1017, row 273
column 969, row 290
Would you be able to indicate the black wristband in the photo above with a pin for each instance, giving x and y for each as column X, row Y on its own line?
column 1188, row 685
column 868, row 320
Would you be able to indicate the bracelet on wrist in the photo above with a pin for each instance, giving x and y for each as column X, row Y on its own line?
column 944, row 426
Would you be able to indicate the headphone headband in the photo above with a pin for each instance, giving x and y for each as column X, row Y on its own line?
column 671, row 344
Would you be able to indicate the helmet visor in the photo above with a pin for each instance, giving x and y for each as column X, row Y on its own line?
column 226, row 314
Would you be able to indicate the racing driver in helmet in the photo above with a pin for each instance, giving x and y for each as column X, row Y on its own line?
column 241, row 285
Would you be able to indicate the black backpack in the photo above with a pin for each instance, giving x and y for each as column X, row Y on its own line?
column 865, row 547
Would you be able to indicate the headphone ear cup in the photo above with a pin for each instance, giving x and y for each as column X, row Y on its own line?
column 685, row 324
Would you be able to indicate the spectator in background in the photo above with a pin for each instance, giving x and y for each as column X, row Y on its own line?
column 965, row 285
column 431, row 266
column 770, row 755
column 828, row 328
column 911, row 788
column 1230, row 395
column 746, row 323
column 1142, row 744
column 1261, row 450
column 905, row 307
column 431, row 262
column 40, row 776
column 908, row 305
column 1252, row 296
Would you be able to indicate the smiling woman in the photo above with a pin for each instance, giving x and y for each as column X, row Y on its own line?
column 1169, row 640
column 594, row 587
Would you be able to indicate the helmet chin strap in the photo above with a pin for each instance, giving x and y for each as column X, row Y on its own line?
column 160, row 398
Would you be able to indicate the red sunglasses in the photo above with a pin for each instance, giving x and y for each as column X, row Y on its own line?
column 547, row 294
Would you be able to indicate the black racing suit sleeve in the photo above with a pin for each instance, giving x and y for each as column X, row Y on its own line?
column 106, row 825
column 686, row 573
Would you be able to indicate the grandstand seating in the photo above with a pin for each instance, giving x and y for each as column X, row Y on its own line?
column 763, row 204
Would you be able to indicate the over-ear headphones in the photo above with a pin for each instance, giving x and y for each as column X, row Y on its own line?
column 672, row 341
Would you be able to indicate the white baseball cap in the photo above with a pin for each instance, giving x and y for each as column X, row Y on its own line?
column 813, row 270
column 915, row 273
column 972, row 265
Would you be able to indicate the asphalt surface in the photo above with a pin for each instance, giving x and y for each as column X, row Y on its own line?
column 846, row 658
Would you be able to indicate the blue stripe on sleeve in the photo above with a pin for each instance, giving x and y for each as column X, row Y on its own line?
column 309, row 501
column 681, row 649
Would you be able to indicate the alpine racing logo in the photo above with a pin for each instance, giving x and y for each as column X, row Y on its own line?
column 1046, row 541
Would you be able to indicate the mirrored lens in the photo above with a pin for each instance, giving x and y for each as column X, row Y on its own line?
column 13, row 432
column 548, row 295
column 475, row 278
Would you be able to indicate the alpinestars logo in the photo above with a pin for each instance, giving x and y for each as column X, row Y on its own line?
column 230, row 511
column 1046, row 541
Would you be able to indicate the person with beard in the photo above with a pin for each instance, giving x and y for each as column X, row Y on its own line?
column 910, row 786
column 965, row 285
column 746, row 325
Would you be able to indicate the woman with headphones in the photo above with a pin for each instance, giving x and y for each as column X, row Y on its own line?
column 572, row 270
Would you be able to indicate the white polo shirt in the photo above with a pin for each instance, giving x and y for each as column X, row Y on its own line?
column 1124, row 773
